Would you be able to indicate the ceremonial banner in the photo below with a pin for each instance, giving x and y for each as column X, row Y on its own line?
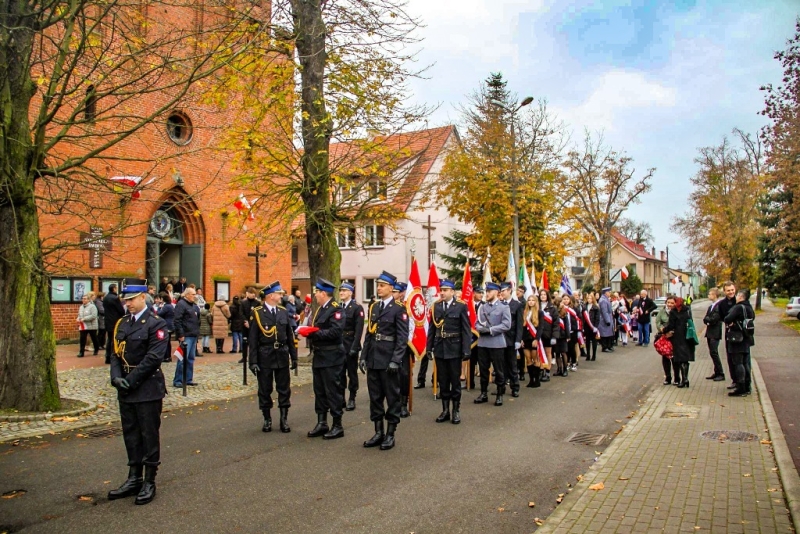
column 467, row 294
column 417, row 312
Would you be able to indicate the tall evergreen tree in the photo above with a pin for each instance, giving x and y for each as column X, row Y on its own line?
column 452, row 267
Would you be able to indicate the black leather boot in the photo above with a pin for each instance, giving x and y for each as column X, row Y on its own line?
column 532, row 381
column 284, row 420
column 377, row 439
column 322, row 426
column 404, row 407
column 267, row 422
column 351, row 402
column 456, row 412
column 388, row 440
column 483, row 397
column 130, row 487
column 499, row 400
column 148, row 491
column 445, row 415
column 337, row 431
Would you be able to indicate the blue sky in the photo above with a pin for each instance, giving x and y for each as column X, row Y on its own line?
column 659, row 79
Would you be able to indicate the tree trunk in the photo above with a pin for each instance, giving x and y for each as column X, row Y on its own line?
column 324, row 258
column 28, row 378
column 602, row 260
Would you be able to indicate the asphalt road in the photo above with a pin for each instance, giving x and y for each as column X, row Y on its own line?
column 220, row 473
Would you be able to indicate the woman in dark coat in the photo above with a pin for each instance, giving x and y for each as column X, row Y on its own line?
column 738, row 342
column 237, row 324
column 167, row 312
column 682, row 349
column 548, row 322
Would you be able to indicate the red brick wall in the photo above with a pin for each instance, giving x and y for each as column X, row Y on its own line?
column 207, row 175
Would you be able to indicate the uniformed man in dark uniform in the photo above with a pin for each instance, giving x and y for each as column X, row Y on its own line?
column 473, row 357
column 140, row 339
column 513, row 338
column 248, row 304
column 399, row 294
column 385, row 346
column 328, row 358
column 353, row 330
column 271, row 348
column 449, row 342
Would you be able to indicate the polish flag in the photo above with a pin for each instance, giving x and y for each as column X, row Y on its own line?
column 544, row 284
column 128, row 181
column 433, row 290
column 241, row 204
column 624, row 273
column 178, row 353
column 417, row 313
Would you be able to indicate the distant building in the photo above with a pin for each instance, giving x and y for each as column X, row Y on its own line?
column 650, row 269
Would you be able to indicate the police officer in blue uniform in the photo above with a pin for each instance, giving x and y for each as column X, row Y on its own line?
column 328, row 358
column 353, row 331
column 449, row 343
column 494, row 320
column 385, row 346
column 140, row 339
column 271, row 348
column 513, row 338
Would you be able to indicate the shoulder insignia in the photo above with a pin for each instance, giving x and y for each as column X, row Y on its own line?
column 361, row 313
column 257, row 308
column 398, row 301
column 280, row 307
column 160, row 334
column 334, row 304
column 337, row 315
column 461, row 301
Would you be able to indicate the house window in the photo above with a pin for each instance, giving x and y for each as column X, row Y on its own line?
column 631, row 269
column 295, row 254
column 346, row 238
column 347, row 192
column 90, row 111
column 373, row 236
column 378, row 189
column 370, row 289
column 179, row 128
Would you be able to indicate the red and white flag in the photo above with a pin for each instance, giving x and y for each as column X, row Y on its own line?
column 433, row 291
column 241, row 204
column 544, row 283
column 467, row 294
column 417, row 313
column 178, row 353
column 128, row 181
column 624, row 273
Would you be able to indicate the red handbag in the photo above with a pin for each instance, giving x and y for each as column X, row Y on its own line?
column 663, row 346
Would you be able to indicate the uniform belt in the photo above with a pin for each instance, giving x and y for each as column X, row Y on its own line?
column 381, row 337
column 278, row 345
column 128, row 368
column 449, row 334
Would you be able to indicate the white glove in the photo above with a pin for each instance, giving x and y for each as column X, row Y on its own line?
column 517, row 345
column 552, row 341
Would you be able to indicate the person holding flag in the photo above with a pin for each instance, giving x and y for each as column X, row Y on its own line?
column 449, row 342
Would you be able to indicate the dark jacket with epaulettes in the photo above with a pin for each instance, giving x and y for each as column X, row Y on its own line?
column 353, row 326
column 327, row 344
column 271, row 339
column 449, row 332
column 514, row 334
column 387, row 335
column 139, row 350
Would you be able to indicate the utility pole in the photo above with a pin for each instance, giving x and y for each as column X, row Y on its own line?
column 429, row 228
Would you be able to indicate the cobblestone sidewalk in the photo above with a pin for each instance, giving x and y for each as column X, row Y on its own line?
column 217, row 382
column 663, row 473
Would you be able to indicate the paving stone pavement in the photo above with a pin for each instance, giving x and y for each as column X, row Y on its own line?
column 661, row 475
column 217, row 382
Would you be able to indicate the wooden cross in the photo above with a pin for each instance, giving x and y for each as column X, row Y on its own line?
column 257, row 256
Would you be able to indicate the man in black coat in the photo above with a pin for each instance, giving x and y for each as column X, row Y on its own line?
column 248, row 305
column 713, row 322
column 187, row 330
column 271, row 348
column 646, row 306
column 724, row 307
column 449, row 343
column 353, row 330
column 384, row 348
column 140, row 340
column 513, row 338
column 328, row 358
column 114, row 312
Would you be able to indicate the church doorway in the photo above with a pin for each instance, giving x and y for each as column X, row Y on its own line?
column 175, row 239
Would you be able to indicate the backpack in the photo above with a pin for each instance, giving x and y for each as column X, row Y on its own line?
column 748, row 324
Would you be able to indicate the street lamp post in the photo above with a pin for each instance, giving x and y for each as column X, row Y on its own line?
column 514, row 180
column 668, row 277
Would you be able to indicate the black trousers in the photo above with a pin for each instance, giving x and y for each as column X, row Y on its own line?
column 591, row 346
column 270, row 379
column 101, row 337
column 473, row 362
column 405, row 374
column 495, row 358
column 713, row 350
column 741, row 369
column 607, row 342
column 328, row 390
column 510, row 369
column 423, row 371
column 168, row 349
column 382, row 387
column 109, row 348
column 349, row 378
column 141, row 422
column 448, row 374
column 572, row 355
column 84, row 335
column 521, row 363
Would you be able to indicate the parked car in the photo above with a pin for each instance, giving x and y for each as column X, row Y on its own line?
column 793, row 307
column 660, row 302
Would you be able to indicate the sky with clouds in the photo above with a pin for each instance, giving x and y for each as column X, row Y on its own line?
column 658, row 78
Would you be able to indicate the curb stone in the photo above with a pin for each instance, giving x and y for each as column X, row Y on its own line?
column 49, row 415
column 786, row 469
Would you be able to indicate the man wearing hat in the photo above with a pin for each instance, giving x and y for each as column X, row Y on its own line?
column 449, row 342
column 140, row 340
column 353, row 329
column 494, row 320
column 271, row 340
column 513, row 338
column 384, row 348
column 606, row 326
column 328, row 358
column 399, row 294
column 521, row 289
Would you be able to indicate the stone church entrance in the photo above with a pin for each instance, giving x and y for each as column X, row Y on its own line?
column 175, row 238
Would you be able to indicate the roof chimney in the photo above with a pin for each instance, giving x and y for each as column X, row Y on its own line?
column 654, row 252
column 663, row 256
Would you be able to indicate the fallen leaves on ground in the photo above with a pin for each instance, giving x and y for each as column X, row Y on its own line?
column 538, row 521
column 579, row 478
column 531, row 504
column 772, row 490
column 65, row 419
column 13, row 494
column 86, row 498
column 624, row 478
column 678, row 404
column 597, row 487
column 747, row 475
column 765, row 442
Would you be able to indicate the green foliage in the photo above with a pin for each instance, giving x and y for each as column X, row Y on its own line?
column 452, row 267
column 631, row 285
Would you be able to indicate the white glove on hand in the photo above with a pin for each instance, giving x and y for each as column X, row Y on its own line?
column 517, row 345
column 552, row 341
